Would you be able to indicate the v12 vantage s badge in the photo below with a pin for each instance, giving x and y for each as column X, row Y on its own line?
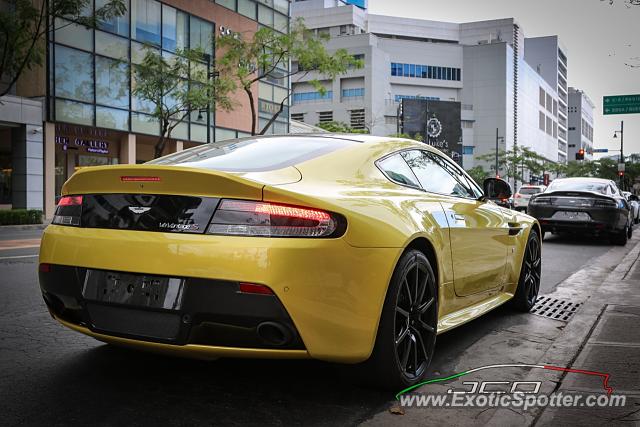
column 177, row 226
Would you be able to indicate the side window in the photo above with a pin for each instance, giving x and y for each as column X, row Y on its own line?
column 435, row 175
column 397, row 170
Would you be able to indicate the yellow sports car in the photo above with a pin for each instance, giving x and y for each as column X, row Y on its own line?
column 344, row 248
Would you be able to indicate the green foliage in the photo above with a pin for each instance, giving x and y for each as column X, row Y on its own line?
column 478, row 174
column 339, row 127
column 177, row 86
column 514, row 161
column 23, row 27
column 266, row 56
column 20, row 216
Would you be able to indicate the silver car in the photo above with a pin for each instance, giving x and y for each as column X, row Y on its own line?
column 635, row 205
column 521, row 198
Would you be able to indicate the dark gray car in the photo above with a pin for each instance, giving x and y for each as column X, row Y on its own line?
column 590, row 205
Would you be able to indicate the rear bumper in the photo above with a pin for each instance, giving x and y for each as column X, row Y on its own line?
column 520, row 202
column 602, row 220
column 330, row 293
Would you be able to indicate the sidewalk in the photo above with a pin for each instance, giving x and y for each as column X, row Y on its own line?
column 612, row 346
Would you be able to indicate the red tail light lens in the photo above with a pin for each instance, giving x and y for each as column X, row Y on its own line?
column 248, row 218
column 70, row 201
column 252, row 288
column 68, row 211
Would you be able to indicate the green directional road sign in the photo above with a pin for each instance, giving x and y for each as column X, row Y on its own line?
column 621, row 104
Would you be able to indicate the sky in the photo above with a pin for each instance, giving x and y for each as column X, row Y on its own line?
column 599, row 38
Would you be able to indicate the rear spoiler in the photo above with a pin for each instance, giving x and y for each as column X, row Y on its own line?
column 160, row 179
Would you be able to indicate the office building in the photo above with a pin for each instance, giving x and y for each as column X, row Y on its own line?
column 78, row 110
column 580, row 124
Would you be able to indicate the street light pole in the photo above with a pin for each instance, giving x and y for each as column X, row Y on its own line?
column 615, row 135
column 497, row 148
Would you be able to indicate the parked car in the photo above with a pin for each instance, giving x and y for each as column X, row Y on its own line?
column 634, row 202
column 343, row 248
column 521, row 198
column 590, row 205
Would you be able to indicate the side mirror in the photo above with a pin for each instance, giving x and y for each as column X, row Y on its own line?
column 496, row 188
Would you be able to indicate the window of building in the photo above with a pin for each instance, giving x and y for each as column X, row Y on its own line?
column 74, row 112
column 299, row 117
column 425, row 71
column 73, row 74
column 118, row 25
column 353, row 93
column 467, row 149
column 555, row 108
column 325, row 116
column 111, row 46
column 467, row 124
column 73, row 35
column 312, row 96
column 357, row 119
column 229, row 4
column 146, row 16
column 549, row 103
column 175, row 29
column 542, row 121
column 555, row 129
column 247, row 8
column 549, row 126
column 112, row 82
column 201, row 35
column 112, row 118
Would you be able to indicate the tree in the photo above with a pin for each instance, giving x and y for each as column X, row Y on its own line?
column 23, row 25
column 516, row 160
column 176, row 87
column 339, row 127
column 478, row 174
column 635, row 61
column 266, row 55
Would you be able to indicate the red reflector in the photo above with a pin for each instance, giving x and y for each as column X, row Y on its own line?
column 45, row 268
column 139, row 178
column 70, row 201
column 252, row 288
column 276, row 210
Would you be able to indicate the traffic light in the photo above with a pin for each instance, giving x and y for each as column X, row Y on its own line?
column 620, row 173
column 580, row 154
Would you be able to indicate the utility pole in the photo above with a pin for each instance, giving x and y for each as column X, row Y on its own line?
column 622, row 150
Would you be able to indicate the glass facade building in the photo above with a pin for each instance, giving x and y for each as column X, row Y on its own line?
column 271, row 93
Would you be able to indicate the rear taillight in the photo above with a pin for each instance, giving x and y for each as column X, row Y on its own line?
column 68, row 211
column 248, row 218
column 604, row 203
column 541, row 201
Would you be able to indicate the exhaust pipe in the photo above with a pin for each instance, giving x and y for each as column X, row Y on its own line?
column 274, row 333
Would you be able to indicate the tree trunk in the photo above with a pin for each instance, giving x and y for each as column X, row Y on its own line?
column 253, row 109
column 162, row 141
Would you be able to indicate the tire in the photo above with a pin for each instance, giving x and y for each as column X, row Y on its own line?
column 621, row 238
column 530, row 273
column 408, row 326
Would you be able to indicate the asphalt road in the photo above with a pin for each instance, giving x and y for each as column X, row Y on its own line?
column 53, row 376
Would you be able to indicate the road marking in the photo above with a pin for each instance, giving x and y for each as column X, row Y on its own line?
column 19, row 244
column 18, row 256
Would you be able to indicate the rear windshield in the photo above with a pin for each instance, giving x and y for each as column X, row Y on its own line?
column 255, row 154
column 530, row 190
column 571, row 185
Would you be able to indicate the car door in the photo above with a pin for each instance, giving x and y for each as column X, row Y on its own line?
column 478, row 231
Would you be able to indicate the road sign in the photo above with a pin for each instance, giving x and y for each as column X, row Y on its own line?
column 620, row 167
column 621, row 104
column 600, row 150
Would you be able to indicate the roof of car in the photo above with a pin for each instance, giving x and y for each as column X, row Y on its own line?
column 603, row 180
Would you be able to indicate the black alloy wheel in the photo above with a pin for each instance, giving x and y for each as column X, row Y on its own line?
column 408, row 326
column 530, row 274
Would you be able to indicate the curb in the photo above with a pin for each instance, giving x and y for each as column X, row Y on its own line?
column 25, row 226
column 567, row 347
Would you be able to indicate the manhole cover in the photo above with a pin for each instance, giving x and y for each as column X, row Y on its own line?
column 554, row 308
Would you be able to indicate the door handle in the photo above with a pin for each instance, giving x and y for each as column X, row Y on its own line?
column 459, row 217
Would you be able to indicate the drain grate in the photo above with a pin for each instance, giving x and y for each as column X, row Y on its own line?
column 554, row 308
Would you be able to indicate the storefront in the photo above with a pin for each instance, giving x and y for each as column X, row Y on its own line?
column 82, row 146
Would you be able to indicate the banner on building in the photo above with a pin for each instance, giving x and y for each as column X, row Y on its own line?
column 437, row 122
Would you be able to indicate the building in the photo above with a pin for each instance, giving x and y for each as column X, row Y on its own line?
column 580, row 124
column 481, row 65
column 549, row 57
column 79, row 110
